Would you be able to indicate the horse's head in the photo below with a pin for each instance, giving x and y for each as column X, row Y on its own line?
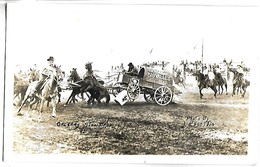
column 58, row 74
column 196, row 73
column 88, row 66
column 33, row 75
column 233, row 70
column 74, row 76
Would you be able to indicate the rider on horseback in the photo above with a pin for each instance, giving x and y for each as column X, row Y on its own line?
column 89, row 74
column 206, row 75
column 240, row 72
column 46, row 72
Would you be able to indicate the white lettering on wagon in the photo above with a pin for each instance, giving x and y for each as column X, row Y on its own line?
column 153, row 74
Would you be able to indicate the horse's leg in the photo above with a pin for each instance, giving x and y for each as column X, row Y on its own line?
column 23, row 102
column 183, row 84
column 90, row 100
column 241, row 89
column 38, row 102
column 222, row 89
column 215, row 90
column 244, row 91
column 107, row 97
column 200, row 91
column 41, row 109
column 226, row 88
column 71, row 96
column 234, row 89
column 32, row 102
column 53, row 107
column 59, row 96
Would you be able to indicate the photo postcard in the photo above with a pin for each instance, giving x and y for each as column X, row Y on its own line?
column 130, row 83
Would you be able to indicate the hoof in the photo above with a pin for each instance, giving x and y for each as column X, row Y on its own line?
column 19, row 114
column 53, row 115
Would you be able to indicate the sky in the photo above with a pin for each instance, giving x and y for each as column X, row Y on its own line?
column 112, row 34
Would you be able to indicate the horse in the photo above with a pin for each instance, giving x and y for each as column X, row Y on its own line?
column 221, row 81
column 20, row 87
column 204, row 82
column 97, row 90
column 179, row 80
column 76, row 84
column 239, row 83
column 33, row 75
column 49, row 90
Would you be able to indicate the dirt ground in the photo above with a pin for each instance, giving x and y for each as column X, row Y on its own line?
column 208, row 126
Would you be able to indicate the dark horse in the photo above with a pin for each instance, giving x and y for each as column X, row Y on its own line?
column 76, row 83
column 204, row 82
column 79, row 86
column 239, row 82
column 221, row 81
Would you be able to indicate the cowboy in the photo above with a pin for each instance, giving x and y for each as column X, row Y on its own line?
column 240, row 72
column 132, row 70
column 217, row 72
column 46, row 72
column 206, row 75
column 89, row 74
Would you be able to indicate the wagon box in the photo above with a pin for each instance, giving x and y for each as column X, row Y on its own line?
column 156, row 85
column 150, row 75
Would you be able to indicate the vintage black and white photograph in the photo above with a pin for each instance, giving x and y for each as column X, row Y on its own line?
column 130, row 79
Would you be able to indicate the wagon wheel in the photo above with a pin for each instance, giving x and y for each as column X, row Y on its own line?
column 117, row 88
column 133, row 89
column 149, row 97
column 163, row 95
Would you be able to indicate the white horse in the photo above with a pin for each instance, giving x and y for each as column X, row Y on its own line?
column 49, row 91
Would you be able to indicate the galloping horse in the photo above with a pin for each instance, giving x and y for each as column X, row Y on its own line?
column 221, row 81
column 76, row 84
column 239, row 83
column 97, row 91
column 178, row 79
column 89, row 80
column 49, row 91
column 204, row 82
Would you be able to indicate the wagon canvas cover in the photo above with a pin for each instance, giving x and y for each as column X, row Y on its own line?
column 154, row 76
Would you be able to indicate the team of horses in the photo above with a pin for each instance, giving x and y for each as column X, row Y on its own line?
column 95, row 90
column 50, row 90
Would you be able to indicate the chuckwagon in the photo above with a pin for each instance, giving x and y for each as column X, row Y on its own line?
column 156, row 86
